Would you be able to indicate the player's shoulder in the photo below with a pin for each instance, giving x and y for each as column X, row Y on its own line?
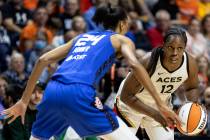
column 146, row 58
column 120, row 37
column 191, row 60
column 191, row 64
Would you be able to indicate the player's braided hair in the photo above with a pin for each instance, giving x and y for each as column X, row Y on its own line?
column 153, row 60
column 174, row 31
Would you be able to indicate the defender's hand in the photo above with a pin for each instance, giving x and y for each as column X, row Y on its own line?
column 16, row 110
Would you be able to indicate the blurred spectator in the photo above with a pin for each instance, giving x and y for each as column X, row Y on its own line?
column 54, row 7
column 85, row 5
column 79, row 24
column 31, row 31
column 135, row 22
column 54, row 21
column 40, row 43
column 112, row 80
column 146, row 15
column 203, row 8
column 122, row 69
column 3, row 87
column 168, row 5
column 196, row 43
column 49, row 70
column 5, row 46
column 188, row 9
column 89, row 14
column 18, row 131
column 203, row 65
column 2, row 2
column 71, row 9
column 114, row 2
column 31, row 5
column 140, row 54
column 207, row 105
column 15, row 19
column 136, row 28
column 140, row 8
column 69, row 35
column 145, row 12
column 42, row 3
column 127, row 5
column 155, row 34
column 13, row 94
column 151, row 3
column 205, row 25
column 16, row 74
column 61, row 39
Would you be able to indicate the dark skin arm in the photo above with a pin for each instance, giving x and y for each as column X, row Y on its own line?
column 130, row 88
column 191, row 84
column 10, row 25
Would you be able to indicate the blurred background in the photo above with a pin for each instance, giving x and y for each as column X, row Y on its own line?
column 29, row 28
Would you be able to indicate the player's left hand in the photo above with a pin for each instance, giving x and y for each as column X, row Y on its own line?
column 16, row 110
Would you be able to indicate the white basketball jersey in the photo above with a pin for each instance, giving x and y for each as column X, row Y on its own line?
column 165, row 82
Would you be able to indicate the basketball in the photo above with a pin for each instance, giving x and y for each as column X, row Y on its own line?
column 194, row 118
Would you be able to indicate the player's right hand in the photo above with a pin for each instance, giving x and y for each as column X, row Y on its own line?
column 169, row 115
column 16, row 110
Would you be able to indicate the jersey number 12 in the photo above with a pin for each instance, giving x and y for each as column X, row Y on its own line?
column 167, row 88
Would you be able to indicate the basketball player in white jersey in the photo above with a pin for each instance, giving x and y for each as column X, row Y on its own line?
column 169, row 67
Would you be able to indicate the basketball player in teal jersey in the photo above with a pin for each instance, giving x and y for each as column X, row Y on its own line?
column 169, row 67
column 70, row 98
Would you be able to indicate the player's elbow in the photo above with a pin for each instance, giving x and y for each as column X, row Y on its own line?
column 125, row 98
column 134, row 65
column 43, row 60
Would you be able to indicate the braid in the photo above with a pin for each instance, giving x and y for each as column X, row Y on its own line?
column 153, row 60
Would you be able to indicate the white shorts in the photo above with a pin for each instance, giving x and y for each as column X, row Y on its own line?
column 154, row 130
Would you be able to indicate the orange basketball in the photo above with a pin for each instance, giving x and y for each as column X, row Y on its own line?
column 194, row 118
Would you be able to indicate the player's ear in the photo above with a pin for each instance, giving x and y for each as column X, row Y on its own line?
column 121, row 26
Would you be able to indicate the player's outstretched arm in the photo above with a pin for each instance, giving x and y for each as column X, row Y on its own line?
column 127, row 49
column 50, row 57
